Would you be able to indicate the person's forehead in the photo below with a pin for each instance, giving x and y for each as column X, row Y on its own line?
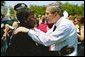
column 48, row 9
column 51, row 8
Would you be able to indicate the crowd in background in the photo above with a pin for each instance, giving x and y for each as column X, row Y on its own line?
column 8, row 25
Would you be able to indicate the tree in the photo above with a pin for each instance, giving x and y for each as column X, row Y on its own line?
column 82, row 9
column 3, row 9
column 12, row 12
column 73, row 9
column 2, row 3
column 38, row 10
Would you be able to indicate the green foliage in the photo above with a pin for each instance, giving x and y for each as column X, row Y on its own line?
column 3, row 9
column 71, row 9
column 2, row 3
column 12, row 12
column 38, row 10
column 74, row 9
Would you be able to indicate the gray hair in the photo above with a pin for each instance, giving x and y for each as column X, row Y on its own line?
column 56, row 8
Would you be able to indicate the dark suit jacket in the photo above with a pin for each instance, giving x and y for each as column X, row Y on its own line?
column 23, row 45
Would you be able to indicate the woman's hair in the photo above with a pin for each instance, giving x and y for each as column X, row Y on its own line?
column 26, row 18
column 82, row 20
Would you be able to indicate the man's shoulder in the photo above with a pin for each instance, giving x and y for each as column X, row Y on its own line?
column 65, row 22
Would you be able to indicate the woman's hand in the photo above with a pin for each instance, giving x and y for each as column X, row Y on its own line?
column 21, row 29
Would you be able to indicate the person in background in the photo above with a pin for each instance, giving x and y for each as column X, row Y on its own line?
column 81, row 37
column 76, row 23
column 81, row 29
column 43, row 25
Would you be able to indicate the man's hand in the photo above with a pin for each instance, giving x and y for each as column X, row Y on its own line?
column 21, row 29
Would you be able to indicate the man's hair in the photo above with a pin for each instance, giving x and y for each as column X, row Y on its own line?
column 56, row 8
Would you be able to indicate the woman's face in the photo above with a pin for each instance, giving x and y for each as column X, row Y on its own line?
column 75, row 21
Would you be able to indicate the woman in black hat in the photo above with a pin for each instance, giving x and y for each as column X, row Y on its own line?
column 21, row 43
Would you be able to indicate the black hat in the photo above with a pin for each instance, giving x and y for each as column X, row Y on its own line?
column 20, row 6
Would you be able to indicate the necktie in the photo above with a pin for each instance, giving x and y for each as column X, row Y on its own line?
column 54, row 28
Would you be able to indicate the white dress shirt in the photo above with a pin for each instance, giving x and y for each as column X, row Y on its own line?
column 64, row 34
